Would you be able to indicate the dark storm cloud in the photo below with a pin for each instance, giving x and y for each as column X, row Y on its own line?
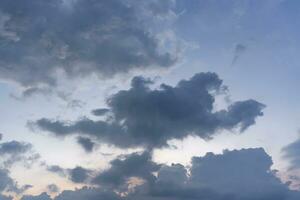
column 237, row 175
column 292, row 153
column 40, row 39
column 133, row 165
column 150, row 117
column 86, row 143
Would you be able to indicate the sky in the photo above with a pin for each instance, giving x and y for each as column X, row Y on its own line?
column 149, row 100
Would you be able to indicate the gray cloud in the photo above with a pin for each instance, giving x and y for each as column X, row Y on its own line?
column 100, row 111
column 79, row 174
column 247, row 170
column 237, row 175
column 3, row 197
column 133, row 165
column 86, row 143
column 52, row 188
column 15, row 151
column 88, row 194
column 56, row 169
column 43, row 196
column 239, row 50
column 10, row 153
column 76, row 175
column 291, row 152
column 5, row 180
column 40, row 39
column 14, row 147
column 150, row 117
column 8, row 184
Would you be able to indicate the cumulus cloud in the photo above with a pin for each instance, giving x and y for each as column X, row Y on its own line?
column 40, row 39
column 238, row 175
column 121, row 170
column 150, row 117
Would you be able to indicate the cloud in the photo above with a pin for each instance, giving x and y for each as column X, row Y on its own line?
column 145, row 117
column 87, row 194
column 43, row 196
column 8, row 184
column 291, row 152
column 41, row 39
column 121, row 170
column 86, row 143
column 240, row 174
column 14, row 147
column 79, row 174
column 244, row 174
column 3, row 197
column 56, row 169
column 239, row 50
column 10, row 153
column 76, row 175
column 5, row 181
column 100, row 111
column 247, row 170
column 15, row 151
column 52, row 188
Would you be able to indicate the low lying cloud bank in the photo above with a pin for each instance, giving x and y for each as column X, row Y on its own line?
column 238, row 175
column 149, row 118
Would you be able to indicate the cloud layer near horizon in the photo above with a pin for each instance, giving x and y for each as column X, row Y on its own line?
column 238, row 175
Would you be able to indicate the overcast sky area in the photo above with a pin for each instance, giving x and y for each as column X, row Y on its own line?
column 149, row 100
